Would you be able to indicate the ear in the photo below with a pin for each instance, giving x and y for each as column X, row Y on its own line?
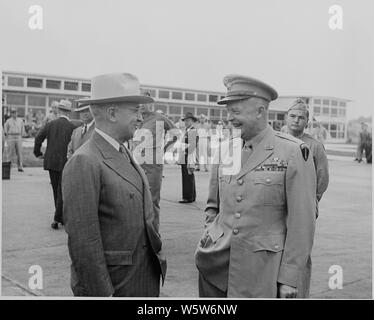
column 111, row 113
column 261, row 110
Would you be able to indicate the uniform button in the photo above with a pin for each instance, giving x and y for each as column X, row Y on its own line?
column 238, row 198
column 276, row 246
column 237, row 215
column 240, row 182
column 236, row 231
column 268, row 180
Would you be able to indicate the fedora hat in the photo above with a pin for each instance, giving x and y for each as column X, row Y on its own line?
column 189, row 115
column 64, row 105
column 82, row 104
column 115, row 87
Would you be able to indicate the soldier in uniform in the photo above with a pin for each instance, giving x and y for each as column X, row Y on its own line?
column 297, row 121
column 260, row 219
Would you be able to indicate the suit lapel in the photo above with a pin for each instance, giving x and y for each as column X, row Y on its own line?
column 114, row 160
column 260, row 153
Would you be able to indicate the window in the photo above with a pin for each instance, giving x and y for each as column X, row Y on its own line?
column 16, row 99
column 326, row 111
column 317, row 101
column 21, row 112
column 201, row 97
column 334, row 112
column 175, row 110
column 213, row 98
column 342, row 112
column 342, row 104
column 15, row 81
column 189, row 96
column 34, row 83
column 317, row 111
column 53, row 84
column 37, row 101
column 271, row 116
column 177, row 95
column 333, row 134
column 280, row 116
column 71, row 85
column 202, row 111
column 334, row 102
column 163, row 94
column 216, row 113
column 224, row 114
column 86, row 87
column 326, row 102
column 189, row 109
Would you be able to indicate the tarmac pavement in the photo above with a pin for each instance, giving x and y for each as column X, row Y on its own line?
column 343, row 234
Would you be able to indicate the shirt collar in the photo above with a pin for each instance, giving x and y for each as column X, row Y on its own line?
column 109, row 139
column 258, row 138
column 90, row 124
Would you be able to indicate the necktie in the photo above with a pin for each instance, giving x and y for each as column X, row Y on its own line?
column 84, row 130
column 246, row 153
column 122, row 150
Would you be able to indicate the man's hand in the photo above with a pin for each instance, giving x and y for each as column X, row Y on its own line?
column 285, row 291
column 41, row 156
column 190, row 170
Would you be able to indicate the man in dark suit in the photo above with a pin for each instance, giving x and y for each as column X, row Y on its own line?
column 108, row 212
column 58, row 133
column 81, row 134
column 187, row 159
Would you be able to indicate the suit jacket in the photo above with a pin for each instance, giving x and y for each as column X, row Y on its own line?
column 260, row 222
column 109, row 218
column 77, row 139
column 188, row 149
column 58, row 133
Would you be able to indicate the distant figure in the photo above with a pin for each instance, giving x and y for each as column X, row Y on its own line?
column 319, row 133
column 81, row 134
column 202, row 152
column 14, row 129
column 297, row 121
column 58, row 133
column 53, row 113
column 187, row 159
column 364, row 143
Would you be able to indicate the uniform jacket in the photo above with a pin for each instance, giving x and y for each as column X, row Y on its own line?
column 260, row 223
column 58, row 133
column 77, row 139
column 109, row 218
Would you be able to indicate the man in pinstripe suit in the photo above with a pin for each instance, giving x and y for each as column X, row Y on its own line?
column 112, row 238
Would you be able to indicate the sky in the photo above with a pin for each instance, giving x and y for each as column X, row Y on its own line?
column 195, row 43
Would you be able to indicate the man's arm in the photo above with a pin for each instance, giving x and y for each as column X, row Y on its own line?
column 301, row 206
column 212, row 206
column 40, row 137
column 81, row 218
column 71, row 148
column 322, row 170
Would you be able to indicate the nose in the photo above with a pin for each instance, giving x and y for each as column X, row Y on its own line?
column 140, row 116
column 230, row 116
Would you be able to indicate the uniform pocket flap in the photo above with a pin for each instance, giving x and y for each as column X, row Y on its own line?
column 274, row 243
column 118, row 258
column 269, row 179
column 215, row 232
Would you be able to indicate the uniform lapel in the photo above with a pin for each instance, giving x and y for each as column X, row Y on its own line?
column 114, row 160
column 260, row 153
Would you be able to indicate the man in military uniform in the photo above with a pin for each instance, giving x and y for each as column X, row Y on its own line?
column 260, row 219
column 297, row 121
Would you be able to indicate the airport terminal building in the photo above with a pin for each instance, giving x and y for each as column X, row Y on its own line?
column 34, row 93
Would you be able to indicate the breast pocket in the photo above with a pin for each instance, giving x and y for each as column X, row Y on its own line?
column 269, row 188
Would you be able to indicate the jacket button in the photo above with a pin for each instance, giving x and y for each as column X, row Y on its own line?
column 236, row 231
column 132, row 195
column 268, row 180
column 237, row 215
column 276, row 246
column 238, row 198
column 240, row 182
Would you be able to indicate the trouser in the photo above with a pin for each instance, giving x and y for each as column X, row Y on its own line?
column 15, row 145
column 360, row 151
column 207, row 290
column 154, row 176
column 368, row 150
column 55, row 177
column 188, row 184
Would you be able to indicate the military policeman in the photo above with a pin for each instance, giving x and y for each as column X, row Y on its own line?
column 260, row 221
column 297, row 121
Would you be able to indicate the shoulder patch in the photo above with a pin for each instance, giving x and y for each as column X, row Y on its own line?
column 304, row 151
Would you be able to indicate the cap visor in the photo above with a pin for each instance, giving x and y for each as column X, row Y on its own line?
column 136, row 99
column 232, row 98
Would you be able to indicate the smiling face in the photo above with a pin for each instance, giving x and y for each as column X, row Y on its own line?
column 297, row 121
column 248, row 116
column 126, row 117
